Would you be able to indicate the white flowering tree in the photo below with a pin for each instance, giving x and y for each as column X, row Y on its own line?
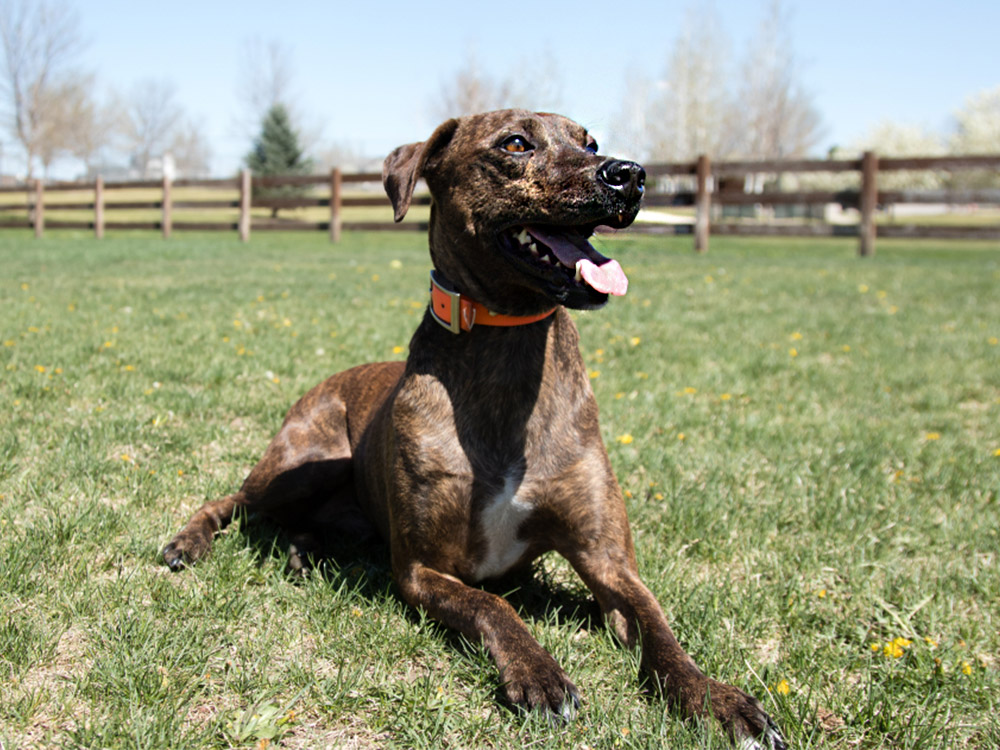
column 977, row 131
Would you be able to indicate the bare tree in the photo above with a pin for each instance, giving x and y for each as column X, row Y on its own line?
column 691, row 111
column 266, row 80
column 40, row 42
column 67, row 125
column 192, row 154
column 149, row 119
column 778, row 116
column 471, row 89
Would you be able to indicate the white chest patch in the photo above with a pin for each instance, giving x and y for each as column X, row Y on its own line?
column 499, row 523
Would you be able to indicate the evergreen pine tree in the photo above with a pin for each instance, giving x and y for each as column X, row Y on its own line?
column 276, row 151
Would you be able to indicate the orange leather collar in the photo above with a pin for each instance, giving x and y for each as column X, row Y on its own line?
column 458, row 313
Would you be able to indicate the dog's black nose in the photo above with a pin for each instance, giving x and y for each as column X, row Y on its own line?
column 625, row 176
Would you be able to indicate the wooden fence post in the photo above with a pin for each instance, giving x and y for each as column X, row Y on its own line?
column 702, row 205
column 244, row 206
column 39, row 216
column 99, row 207
column 335, row 221
column 167, row 223
column 868, row 203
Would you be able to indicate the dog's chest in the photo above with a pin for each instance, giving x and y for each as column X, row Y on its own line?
column 499, row 524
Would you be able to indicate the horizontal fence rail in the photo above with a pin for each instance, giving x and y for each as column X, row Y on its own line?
column 709, row 188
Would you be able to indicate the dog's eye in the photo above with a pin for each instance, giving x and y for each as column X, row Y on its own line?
column 516, row 145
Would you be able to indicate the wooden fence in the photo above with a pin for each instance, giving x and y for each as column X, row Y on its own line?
column 711, row 187
column 867, row 198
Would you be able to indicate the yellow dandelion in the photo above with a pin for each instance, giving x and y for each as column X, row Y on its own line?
column 930, row 642
column 783, row 688
column 680, row 436
column 892, row 310
column 58, row 371
column 642, row 375
column 876, row 647
column 881, row 294
column 594, row 374
column 621, row 394
column 39, row 368
column 24, row 287
column 796, row 336
column 821, row 593
column 356, row 612
column 397, row 350
column 658, row 496
column 932, row 436
column 237, row 323
column 997, row 452
column 863, row 288
column 129, row 368
column 892, row 650
column 275, row 380
column 966, row 668
column 375, row 277
column 126, row 457
column 635, row 341
column 625, row 439
column 793, row 352
column 993, row 341
column 725, row 396
column 108, row 344
column 690, row 391
column 8, row 342
column 845, row 348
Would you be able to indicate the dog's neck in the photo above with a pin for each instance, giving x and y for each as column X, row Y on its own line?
column 458, row 313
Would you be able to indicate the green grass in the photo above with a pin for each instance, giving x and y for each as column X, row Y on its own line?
column 793, row 514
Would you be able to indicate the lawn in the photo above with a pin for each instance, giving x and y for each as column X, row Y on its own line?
column 809, row 444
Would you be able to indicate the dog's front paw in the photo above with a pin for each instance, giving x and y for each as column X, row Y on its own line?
column 744, row 719
column 537, row 682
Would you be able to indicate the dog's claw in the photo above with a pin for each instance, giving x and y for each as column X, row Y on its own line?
column 173, row 558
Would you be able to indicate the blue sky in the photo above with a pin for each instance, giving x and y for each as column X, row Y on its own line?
column 366, row 72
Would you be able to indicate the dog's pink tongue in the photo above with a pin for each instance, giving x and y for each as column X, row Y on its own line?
column 573, row 251
column 607, row 277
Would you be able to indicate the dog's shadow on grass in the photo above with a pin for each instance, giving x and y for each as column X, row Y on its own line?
column 534, row 592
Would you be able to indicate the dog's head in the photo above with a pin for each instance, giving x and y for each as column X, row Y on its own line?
column 516, row 196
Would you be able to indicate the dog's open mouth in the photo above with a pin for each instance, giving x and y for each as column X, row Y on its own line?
column 567, row 253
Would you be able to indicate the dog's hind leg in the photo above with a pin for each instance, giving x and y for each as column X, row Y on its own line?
column 194, row 540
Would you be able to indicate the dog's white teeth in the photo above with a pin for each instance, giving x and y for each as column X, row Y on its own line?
column 578, row 276
column 534, row 249
column 524, row 238
column 546, row 260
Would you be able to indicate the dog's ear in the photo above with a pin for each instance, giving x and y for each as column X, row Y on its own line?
column 405, row 165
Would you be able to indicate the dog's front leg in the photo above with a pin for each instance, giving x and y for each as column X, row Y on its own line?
column 632, row 610
column 531, row 677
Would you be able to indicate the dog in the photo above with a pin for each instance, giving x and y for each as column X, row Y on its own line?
column 482, row 451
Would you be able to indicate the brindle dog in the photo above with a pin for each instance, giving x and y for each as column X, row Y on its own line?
column 483, row 451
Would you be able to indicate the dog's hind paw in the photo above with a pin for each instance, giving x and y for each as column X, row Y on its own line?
column 184, row 549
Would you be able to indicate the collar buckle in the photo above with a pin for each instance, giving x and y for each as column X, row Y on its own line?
column 455, row 300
